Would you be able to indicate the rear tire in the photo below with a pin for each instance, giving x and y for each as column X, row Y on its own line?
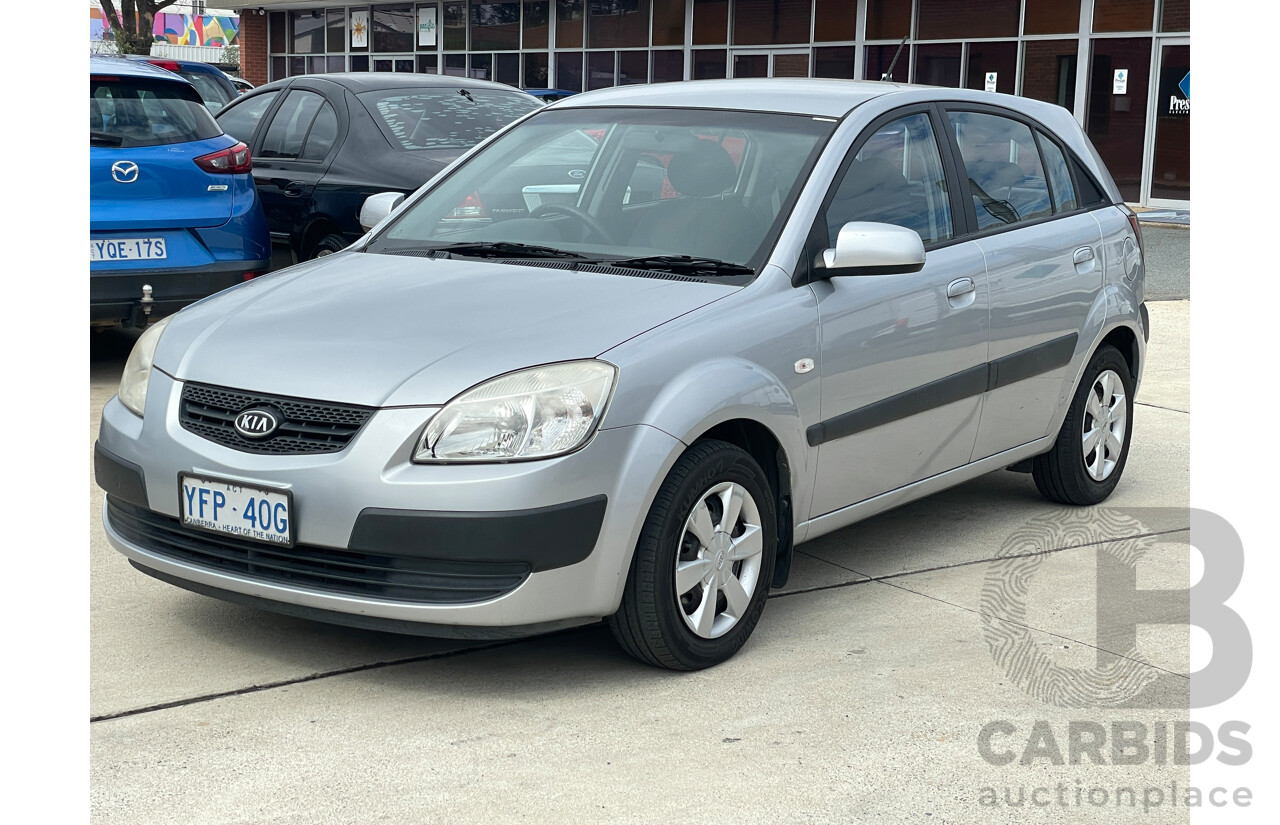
column 1092, row 447
column 711, row 535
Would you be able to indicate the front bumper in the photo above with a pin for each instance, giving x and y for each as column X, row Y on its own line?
column 382, row 542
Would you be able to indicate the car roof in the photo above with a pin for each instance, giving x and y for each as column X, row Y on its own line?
column 109, row 64
column 372, row 81
column 817, row 97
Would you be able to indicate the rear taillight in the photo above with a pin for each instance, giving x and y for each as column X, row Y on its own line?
column 249, row 276
column 1137, row 229
column 471, row 207
column 168, row 65
column 227, row 161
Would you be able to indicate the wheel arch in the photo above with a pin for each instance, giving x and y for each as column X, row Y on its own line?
column 312, row 231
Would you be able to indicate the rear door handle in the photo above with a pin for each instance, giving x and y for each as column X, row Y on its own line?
column 960, row 286
column 1083, row 255
column 294, row 189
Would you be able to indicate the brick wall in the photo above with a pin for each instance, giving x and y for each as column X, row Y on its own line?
column 253, row 46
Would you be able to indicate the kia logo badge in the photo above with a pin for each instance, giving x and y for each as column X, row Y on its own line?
column 257, row 423
column 124, row 171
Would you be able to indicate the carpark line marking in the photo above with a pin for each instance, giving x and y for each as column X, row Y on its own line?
column 1158, row 407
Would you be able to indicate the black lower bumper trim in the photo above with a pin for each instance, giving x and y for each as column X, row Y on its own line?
column 440, row 631
column 119, row 478
column 118, row 296
column 544, row 537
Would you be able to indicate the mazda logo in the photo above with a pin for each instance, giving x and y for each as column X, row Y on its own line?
column 124, row 171
column 257, row 423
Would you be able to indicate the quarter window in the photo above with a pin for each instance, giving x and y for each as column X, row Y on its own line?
column 1006, row 178
column 1064, row 191
column 896, row 177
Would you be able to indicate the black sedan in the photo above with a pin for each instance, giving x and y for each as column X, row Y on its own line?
column 321, row 144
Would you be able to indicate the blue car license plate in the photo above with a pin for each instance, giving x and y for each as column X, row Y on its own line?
column 236, row 509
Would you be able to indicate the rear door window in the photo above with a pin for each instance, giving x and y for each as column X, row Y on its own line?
column 1064, row 191
column 291, row 125
column 128, row 111
column 1006, row 179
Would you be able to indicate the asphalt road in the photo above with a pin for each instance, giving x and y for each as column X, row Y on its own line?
column 862, row 696
column 1168, row 257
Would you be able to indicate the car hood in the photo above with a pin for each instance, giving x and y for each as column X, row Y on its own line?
column 390, row 330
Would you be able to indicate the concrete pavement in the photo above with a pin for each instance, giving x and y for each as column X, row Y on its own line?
column 860, row 698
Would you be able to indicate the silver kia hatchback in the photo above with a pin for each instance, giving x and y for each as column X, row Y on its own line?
column 620, row 359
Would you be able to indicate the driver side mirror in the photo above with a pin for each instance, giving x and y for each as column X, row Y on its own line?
column 866, row 248
column 377, row 207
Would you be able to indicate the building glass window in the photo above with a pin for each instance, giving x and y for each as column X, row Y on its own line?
column 481, row 67
column 938, row 64
column 1175, row 16
column 1049, row 71
column 359, row 62
column 709, row 64
column 428, row 64
column 506, row 68
column 393, row 28
column 834, row 20
column 751, row 65
column 633, row 67
column 888, row 19
column 600, row 74
column 881, row 58
column 569, row 71
column 710, row 22
column 833, row 61
column 1052, row 17
column 618, row 24
column 279, row 67
column 1117, row 123
column 946, row 19
column 795, row 64
column 308, row 32
column 455, row 65
column 668, row 65
column 495, row 26
column 569, row 14
column 454, row 26
column 335, row 31
column 535, row 70
column 668, row 22
column 1124, row 16
column 1001, row 58
column 297, row 66
column 336, row 63
column 768, row 22
column 537, row 16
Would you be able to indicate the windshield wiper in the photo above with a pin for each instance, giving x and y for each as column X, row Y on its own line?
column 507, row 249
column 103, row 137
column 684, row 265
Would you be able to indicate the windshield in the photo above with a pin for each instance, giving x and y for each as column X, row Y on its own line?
column 613, row 183
column 444, row 118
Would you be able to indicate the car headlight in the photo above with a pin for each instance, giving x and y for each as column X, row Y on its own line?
column 534, row 413
column 137, row 370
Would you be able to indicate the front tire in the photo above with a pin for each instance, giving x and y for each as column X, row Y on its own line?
column 327, row 245
column 701, row 571
column 1092, row 447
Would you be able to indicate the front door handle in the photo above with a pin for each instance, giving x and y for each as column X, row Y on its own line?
column 960, row 286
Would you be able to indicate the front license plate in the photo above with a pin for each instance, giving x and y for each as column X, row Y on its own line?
column 236, row 509
column 128, row 249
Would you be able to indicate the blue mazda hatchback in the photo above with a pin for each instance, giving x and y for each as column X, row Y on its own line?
column 173, row 212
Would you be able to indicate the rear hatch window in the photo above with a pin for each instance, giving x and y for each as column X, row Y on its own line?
column 136, row 111
column 448, row 118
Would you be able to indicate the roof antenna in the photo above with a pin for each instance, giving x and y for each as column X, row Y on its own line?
column 889, row 74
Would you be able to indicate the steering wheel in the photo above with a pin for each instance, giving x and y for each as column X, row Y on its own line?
column 586, row 218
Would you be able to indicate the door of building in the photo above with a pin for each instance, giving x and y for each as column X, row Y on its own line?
column 1167, row 176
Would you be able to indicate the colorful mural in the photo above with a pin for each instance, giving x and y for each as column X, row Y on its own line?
column 179, row 29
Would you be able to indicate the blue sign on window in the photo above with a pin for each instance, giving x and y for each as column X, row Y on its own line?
column 1185, row 86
